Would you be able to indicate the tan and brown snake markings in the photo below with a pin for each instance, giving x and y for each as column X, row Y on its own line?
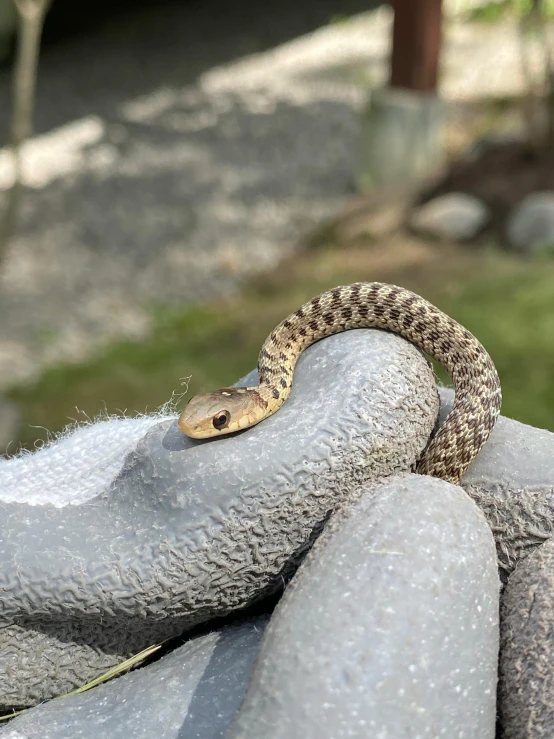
column 367, row 305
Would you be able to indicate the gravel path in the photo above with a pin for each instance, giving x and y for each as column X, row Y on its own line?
column 171, row 178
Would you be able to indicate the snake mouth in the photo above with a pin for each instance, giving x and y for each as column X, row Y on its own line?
column 193, row 431
column 194, row 427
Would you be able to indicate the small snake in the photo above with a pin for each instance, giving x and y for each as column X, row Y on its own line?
column 367, row 305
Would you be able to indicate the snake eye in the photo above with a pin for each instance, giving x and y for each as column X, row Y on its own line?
column 221, row 421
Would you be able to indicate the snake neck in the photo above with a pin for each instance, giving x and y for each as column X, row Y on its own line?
column 273, row 394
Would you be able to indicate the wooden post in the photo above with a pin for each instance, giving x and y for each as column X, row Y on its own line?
column 402, row 131
column 416, row 43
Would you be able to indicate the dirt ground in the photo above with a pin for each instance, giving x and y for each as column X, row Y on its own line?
column 501, row 175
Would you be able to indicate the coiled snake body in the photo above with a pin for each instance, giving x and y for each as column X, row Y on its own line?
column 367, row 305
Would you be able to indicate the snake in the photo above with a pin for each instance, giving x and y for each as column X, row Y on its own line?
column 451, row 448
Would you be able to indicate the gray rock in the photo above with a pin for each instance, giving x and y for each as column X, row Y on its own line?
column 389, row 628
column 10, row 418
column 126, row 532
column 512, row 481
column 192, row 692
column 531, row 226
column 527, row 648
column 456, row 216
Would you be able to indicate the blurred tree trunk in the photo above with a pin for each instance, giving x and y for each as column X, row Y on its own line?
column 416, row 41
column 538, row 106
column 31, row 21
column 549, row 53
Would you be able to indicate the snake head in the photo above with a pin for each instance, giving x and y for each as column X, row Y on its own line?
column 221, row 412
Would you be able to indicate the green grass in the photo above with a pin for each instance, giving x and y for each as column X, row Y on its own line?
column 507, row 303
column 513, row 316
column 137, row 377
column 496, row 10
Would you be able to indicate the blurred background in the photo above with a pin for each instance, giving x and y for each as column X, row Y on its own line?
column 177, row 176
